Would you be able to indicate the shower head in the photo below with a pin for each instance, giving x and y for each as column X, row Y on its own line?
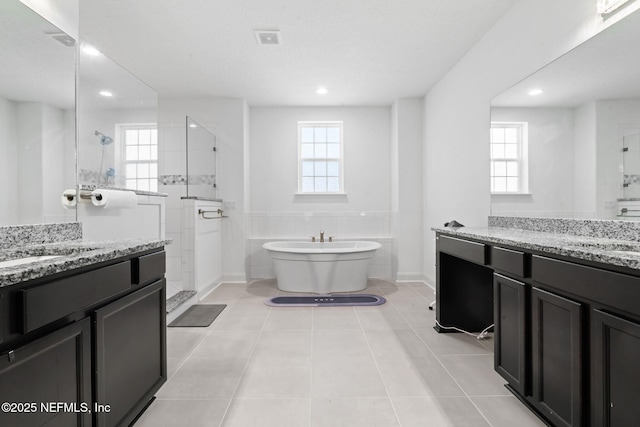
column 104, row 139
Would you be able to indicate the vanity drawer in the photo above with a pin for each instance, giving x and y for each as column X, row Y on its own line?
column 52, row 301
column 509, row 261
column 606, row 287
column 471, row 251
column 148, row 268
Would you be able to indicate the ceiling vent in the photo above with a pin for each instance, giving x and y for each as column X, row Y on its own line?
column 268, row 37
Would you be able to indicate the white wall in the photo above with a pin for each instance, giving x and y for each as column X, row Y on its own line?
column 456, row 152
column 274, row 159
column 277, row 212
column 8, row 162
column 584, row 182
column 550, row 163
column 406, row 188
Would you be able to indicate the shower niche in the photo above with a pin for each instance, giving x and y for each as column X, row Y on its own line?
column 201, row 161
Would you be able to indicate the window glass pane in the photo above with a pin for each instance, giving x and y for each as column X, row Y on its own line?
column 143, row 170
column 333, row 134
column 307, row 150
column 131, row 184
column 333, row 184
column 132, row 152
column 153, row 185
column 154, row 136
column 497, row 151
column 143, row 184
column 145, row 152
column 500, row 169
column 512, row 169
column 512, row 184
column 511, row 151
column 154, row 152
column 333, row 151
column 500, row 184
column 493, row 184
column 321, row 150
column 144, row 137
column 307, row 168
column 511, row 135
column 321, row 169
column 307, row 134
column 333, row 168
column 307, row 184
column 131, row 136
column 497, row 135
column 321, row 184
column 320, row 134
column 131, row 171
column 153, row 170
column 492, row 171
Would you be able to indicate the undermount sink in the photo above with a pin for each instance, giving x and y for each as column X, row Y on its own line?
column 26, row 260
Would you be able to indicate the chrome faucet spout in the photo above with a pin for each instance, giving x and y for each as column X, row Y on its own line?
column 321, row 236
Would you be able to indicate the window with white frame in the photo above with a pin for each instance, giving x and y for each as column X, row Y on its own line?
column 320, row 157
column 509, row 158
column 140, row 153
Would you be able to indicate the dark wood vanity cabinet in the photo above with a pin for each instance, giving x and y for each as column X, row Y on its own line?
column 89, row 345
column 557, row 357
column 131, row 362
column 615, row 370
column 50, row 370
column 510, row 346
column 567, row 335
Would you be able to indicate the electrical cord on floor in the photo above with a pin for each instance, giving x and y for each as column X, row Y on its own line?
column 482, row 335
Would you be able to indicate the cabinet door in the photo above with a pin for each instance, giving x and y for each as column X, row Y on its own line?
column 614, row 371
column 54, row 371
column 131, row 356
column 556, row 331
column 510, row 313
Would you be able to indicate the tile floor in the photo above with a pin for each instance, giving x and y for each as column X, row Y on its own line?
column 331, row 366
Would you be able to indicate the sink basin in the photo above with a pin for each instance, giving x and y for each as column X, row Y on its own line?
column 26, row 260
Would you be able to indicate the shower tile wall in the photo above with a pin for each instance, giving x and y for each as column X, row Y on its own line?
column 269, row 226
column 172, row 180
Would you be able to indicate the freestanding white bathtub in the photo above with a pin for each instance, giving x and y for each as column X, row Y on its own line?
column 321, row 268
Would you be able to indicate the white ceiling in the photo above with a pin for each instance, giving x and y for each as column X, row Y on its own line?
column 366, row 52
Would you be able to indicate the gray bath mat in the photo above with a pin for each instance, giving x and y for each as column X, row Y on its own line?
column 198, row 315
column 325, row 300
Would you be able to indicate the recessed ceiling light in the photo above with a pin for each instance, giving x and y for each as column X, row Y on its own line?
column 322, row 91
column 535, row 92
column 106, row 93
column 90, row 50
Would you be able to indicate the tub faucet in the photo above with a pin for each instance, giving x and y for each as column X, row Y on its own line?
column 321, row 236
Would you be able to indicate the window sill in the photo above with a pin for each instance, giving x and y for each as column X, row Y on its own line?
column 329, row 197
column 512, row 194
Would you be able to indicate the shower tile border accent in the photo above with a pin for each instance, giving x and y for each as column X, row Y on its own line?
column 181, row 179
column 600, row 228
column 22, row 235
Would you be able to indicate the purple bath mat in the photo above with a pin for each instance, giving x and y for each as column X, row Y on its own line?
column 325, row 300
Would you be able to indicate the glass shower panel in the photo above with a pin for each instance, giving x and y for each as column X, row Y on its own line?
column 201, row 161
column 631, row 164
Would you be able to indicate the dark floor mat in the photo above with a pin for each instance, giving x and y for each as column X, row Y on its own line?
column 325, row 300
column 198, row 315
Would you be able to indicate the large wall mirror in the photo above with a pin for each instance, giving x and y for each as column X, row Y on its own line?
column 37, row 117
column 117, row 126
column 566, row 140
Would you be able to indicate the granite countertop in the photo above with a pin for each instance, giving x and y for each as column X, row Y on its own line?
column 72, row 254
column 625, row 253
